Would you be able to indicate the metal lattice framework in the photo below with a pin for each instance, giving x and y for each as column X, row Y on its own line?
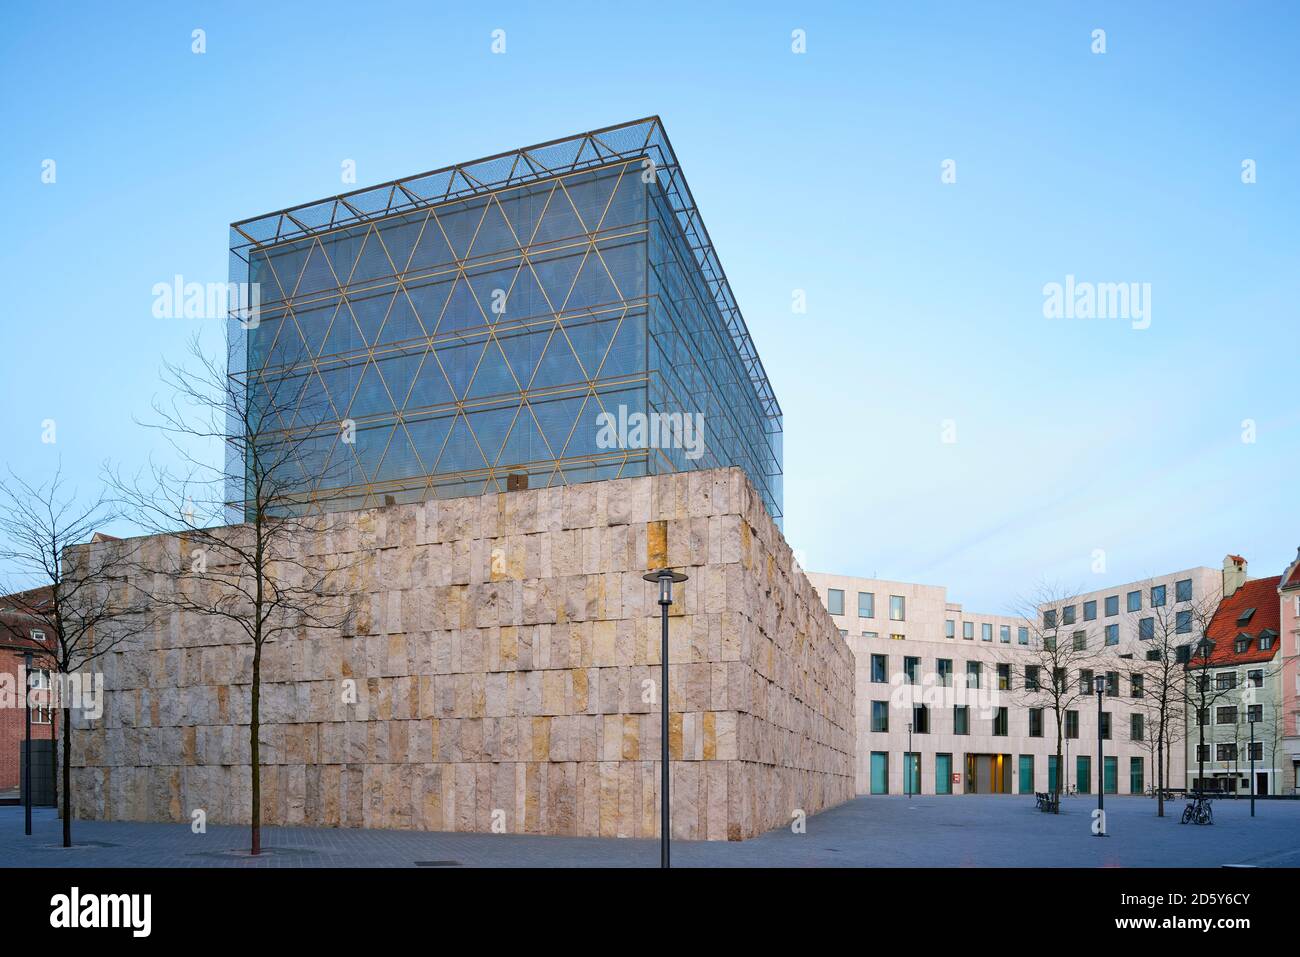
column 338, row 273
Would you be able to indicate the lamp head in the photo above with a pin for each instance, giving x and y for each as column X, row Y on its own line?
column 665, row 578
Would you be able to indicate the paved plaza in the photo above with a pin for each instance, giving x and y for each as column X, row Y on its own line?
column 961, row 831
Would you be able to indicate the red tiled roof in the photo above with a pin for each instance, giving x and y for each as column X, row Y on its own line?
column 1261, row 595
column 1293, row 580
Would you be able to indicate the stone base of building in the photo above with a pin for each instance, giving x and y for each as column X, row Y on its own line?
column 500, row 674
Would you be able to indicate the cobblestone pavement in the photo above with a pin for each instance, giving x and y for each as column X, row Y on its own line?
column 959, row 831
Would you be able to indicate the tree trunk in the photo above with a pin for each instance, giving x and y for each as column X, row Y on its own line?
column 66, row 716
column 254, row 755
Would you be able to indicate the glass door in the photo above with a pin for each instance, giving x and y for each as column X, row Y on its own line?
column 1110, row 774
column 1026, row 774
column 879, row 772
column 1083, row 774
column 943, row 774
column 911, row 773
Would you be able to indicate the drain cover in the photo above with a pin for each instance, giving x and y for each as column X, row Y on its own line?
column 437, row 863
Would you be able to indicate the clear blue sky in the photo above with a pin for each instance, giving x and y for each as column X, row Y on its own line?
column 818, row 172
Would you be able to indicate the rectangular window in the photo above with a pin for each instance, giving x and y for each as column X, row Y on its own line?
column 1146, row 628
column 1183, row 619
column 911, row 772
column 1225, row 752
column 1022, row 635
column 1004, row 677
column 1255, row 752
column 1067, row 615
column 1112, row 605
column 1105, row 725
column 945, row 672
column 1136, row 779
column 968, row 630
column 1049, row 619
column 943, row 774
column 961, row 719
column 1026, row 774
column 1080, row 641
column 1112, row 634
column 1110, row 774
column 1183, row 590
column 986, row 631
column 1202, row 752
column 1004, row 634
column 1071, row 724
column 870, row 634
column 1157, row 596
column 897, row 608
column 1254, row 677
column 866, row 604
column 1083, row 774
column 1031, row 677
column 835, row 601
column 1000, row 723
column 895, row 636
column 1085, row 681
column 950, row 629
column 1225, row 680
column 1136, row 686
column 39, row 682
column 973, row 671
column 1255, row 712
column 1090, row 610
column 1135, row 601
column 1226, row 715
column 1112, row 684
column 920, row 719
column 879, row 669
column 1035, row 722
column 912, row 669
column 880, row 716
column 1135, row 727
column 879, row 772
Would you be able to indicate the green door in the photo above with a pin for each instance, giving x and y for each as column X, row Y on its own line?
column 1026, row 774
column 1051, row 773
column 1136, row 779
column 911, row 773
column 1110, row 775
column 943, row 774
column 1083, row 774
column 879, row 772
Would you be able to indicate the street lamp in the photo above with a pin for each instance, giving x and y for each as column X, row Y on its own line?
column 27, row 743
column 1099, row 683
column 665, row 577
column 1252, row 766
column 911, row 757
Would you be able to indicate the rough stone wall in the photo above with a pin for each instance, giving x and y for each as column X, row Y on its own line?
column 501, row 648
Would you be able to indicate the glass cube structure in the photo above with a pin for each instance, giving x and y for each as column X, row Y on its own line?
column 556, row 314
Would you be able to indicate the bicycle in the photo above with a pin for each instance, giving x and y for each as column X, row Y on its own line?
column 1198, row 812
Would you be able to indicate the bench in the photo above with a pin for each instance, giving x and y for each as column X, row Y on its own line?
column 1046, row 801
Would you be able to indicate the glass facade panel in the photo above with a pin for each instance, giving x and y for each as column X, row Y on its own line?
column 1026, row 774
column 943, row 774
column 557, row 314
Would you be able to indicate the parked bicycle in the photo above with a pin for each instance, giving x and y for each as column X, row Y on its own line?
column 1198, row 811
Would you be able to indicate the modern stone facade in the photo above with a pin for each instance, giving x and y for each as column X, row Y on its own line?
column 505, row 656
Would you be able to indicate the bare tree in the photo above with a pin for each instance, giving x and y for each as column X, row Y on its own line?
column 1060, row 648
column 270, row 576
column 83, row 603
column 1164, row 676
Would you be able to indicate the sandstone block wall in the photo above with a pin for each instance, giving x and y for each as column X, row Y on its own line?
column 501, row 649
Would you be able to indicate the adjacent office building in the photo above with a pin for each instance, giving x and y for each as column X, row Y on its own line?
column 967, row 685
column 549, row 315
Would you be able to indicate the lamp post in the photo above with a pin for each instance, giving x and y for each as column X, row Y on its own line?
column 1099, row 683
column 27, row 744
column 1252, row 766
column 665, row 578
column 911, row 757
